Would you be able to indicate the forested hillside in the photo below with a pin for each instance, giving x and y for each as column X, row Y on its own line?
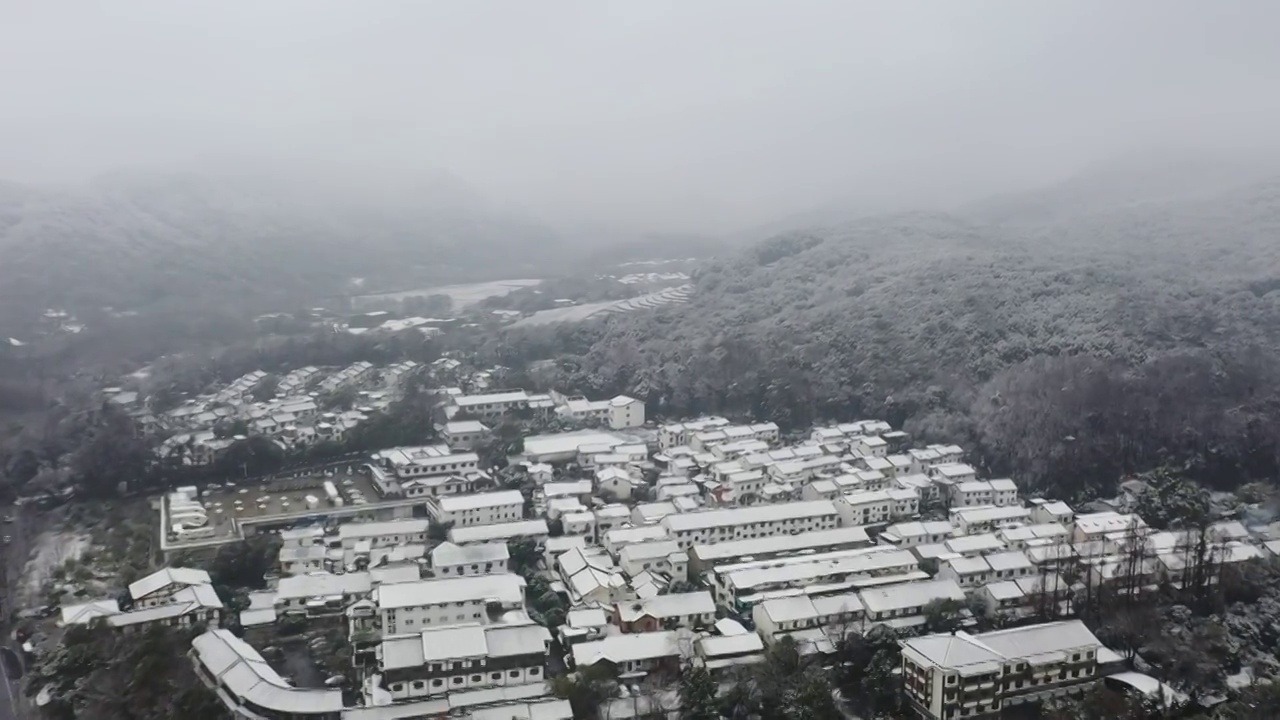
column 253, row 240
column 1068, row 350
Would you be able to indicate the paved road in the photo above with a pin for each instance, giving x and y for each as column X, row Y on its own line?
column 12, row 684
column 12, row 561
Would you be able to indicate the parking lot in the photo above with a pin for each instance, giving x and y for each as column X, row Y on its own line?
column 227, row 501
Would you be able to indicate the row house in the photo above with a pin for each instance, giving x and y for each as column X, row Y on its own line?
column 413, row 606
column 713, row 526
column 665, row 612
column 461, row 658
column 479, row 509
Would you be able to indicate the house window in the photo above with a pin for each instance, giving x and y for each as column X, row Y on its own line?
column 514, row 673
column 457, row 679
column 437, row 682
column 418, row 684
column 475, row 678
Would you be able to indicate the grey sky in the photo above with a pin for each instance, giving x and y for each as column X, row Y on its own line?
column 699, row 115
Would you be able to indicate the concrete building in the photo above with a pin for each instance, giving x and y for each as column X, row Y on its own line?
column 662, row 556
column 462, row 435
column 249, row 688
column 489, row 508
column 963, row 675
column 159, row 587
column 665, row 612
column 715, row 526
column 450, row 560
column 784, row 615
column 461, row 658
column 632, row 654
column 410, row 607
column 535, row 530
column 705, row 557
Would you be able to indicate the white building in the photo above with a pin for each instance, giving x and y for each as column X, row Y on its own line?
column 249, row 688
column 666, row 612
column 159, row 587
column 414, row 606
column 705, row 557
column 902, row 605
column 987, row 518
column 700, row 528
column 780, row 616
column 465, row 434
column 461, row 658
column 387, row 533
column 875, row 507
column 972, row 493
column 535, row 530
column 632, row 654
column 480, row 509
column 424, row 461
column 449, row 560
column 663, row 556
column 913, row 533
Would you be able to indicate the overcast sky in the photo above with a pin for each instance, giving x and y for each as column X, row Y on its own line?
column 697, row 115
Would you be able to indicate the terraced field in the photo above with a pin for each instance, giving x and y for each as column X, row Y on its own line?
column 578, row 313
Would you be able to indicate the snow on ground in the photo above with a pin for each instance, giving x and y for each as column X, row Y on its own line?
column 578, row 313
column 51, row 550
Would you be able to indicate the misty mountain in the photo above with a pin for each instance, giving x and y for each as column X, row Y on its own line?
column 1161, row 316
column 257, row 240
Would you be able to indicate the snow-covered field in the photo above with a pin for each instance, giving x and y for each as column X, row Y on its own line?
column 579, row 313
column 461, row 295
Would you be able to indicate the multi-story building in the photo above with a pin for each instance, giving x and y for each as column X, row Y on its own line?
column 740, row 586
column 715, row 526
column 780, row 616
column 901, row 605
column 913, row 533
column 665, row 612
column 389, row 533
column 677, row 434
column 159, row 587
column 464, row 435
column 972, row 493
column 449, row 560
column 249, row 688
column 490, row 405
column 663, row 556
column 962, row 675
column 410, row 607
column 480, row 509
column 875, row 507
column 463, row 657
column 535, row 530
column 987, row 518
column 632, row 654
column 405, row 463
column 321, row 594
column 704, row 557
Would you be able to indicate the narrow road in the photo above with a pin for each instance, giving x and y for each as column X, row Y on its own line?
column 13, row 558
column 12, row 683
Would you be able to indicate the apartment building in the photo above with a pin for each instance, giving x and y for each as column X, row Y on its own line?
column 962, row 675
column 463, row 435
column 705, row 557
column 248, row 687
column 902, row 605
column 665, row 612
column 876, row 507
column 619, row 413
column 614, row 541
column 489, row 508
column 159, row 587
column 449, row 560
column 461, row 658
column 739, row 586
column 385, row 534
column 662, row 556
column 676, row 434
column 404, row 463
column 535, row 530
column 972, row 493
column 914, row 533
column 632, row 654
column 413, row 606
column 321, row 594
column 779, row 616
column 490, row 405
column 716, row 526
column 987, row 518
